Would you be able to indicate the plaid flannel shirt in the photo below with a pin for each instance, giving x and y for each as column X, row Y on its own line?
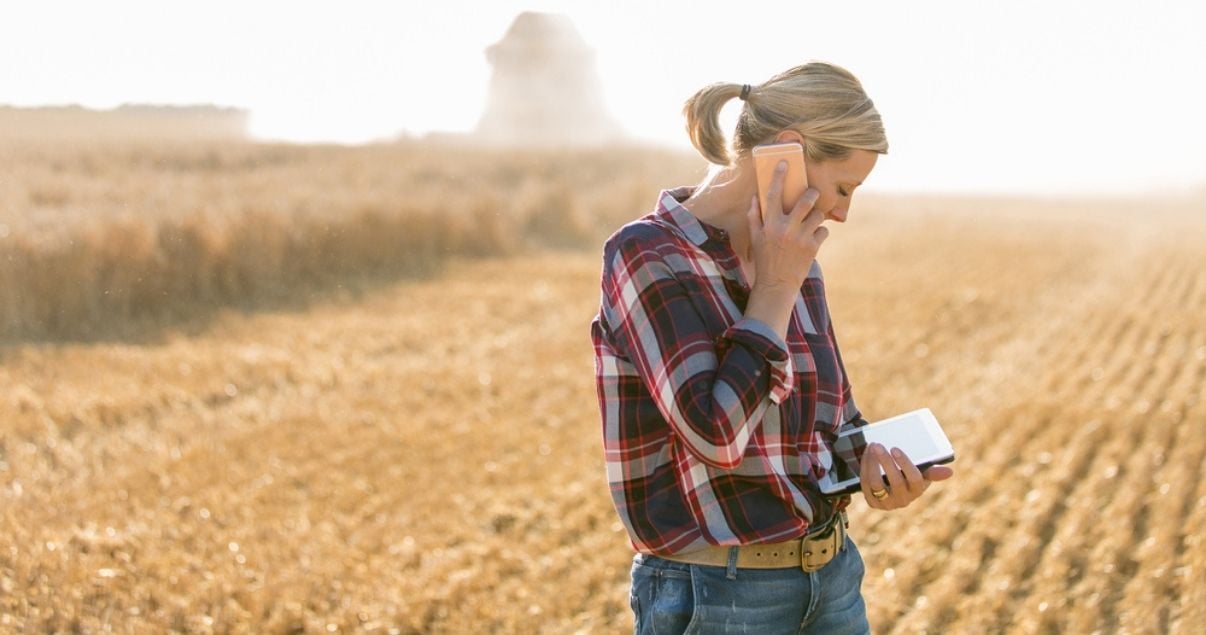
column 715, row 430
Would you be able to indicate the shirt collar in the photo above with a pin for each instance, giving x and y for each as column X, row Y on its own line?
column 671, row 211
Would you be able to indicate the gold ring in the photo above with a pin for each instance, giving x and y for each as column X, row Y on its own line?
column 879, row 494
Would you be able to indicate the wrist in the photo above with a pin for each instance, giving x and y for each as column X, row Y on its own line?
column 773, row 305
column 775, row 290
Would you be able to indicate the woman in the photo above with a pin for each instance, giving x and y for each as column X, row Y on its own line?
column 720, row 383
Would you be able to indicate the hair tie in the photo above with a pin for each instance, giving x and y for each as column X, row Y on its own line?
column 745, row 91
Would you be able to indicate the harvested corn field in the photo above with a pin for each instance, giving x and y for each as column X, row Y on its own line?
column 426, row 456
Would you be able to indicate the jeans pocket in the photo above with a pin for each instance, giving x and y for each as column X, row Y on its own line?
column 842, row 608
column 662, row 599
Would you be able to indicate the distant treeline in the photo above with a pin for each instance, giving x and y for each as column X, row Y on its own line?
column 126, row 122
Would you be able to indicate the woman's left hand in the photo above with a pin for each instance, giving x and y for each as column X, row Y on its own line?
column 905, row 481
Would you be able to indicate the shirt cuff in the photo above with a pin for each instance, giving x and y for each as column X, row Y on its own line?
column 763, row 340
column 851, row 416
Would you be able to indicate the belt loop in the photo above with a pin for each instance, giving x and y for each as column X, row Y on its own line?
column 731, row 574
column 841, row 533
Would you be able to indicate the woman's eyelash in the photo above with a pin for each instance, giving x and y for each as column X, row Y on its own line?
column 842, row 192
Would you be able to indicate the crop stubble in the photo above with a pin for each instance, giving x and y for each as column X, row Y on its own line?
column 427, row 458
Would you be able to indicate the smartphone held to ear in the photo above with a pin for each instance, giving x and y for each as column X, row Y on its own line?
column 795, row 181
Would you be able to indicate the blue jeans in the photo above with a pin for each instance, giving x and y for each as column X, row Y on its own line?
column 675, row 597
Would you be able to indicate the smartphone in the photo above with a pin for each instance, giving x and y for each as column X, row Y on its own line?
column 917, row 433
column 795, row 181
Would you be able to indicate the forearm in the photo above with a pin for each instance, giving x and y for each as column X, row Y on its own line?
column 712, row 389
column 772, row 305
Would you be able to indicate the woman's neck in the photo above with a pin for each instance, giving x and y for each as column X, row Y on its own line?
column 722, row 200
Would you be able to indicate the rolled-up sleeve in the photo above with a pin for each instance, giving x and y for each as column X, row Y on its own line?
column 712, row 390
column 765, row 343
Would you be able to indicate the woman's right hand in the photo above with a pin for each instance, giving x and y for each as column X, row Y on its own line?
column 786, row 244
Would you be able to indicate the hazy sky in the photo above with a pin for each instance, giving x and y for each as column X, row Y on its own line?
column 1020, row 96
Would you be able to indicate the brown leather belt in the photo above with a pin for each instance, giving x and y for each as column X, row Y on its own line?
column 810, row 552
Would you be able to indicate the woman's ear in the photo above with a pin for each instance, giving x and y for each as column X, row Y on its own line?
column 787, row 136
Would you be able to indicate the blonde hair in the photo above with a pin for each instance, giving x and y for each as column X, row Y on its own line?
column 823, row 102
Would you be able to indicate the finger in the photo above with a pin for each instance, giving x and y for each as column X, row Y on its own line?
column 871, row 477
column 899, row 493
column 811, row 225
column 800, row 212
column 821, row 234
column 868, row 469
column 754, row 216
column 774, row 193
column 913, row 478
column 938, row 473
column 812, row 222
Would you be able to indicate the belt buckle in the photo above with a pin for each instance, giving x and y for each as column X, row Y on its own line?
column 815, row 553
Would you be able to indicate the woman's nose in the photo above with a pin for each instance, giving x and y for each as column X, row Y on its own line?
column 838, row 214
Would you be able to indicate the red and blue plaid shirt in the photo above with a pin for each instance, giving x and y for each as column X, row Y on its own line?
column 715, row 430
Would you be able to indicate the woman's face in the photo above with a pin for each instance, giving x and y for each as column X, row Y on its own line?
column 835, row 180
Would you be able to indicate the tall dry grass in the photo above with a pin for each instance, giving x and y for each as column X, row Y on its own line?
column 103, row 238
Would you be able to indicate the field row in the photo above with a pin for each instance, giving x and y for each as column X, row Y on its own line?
column 426, row 457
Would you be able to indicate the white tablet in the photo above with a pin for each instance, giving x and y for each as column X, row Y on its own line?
column 917, row 433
